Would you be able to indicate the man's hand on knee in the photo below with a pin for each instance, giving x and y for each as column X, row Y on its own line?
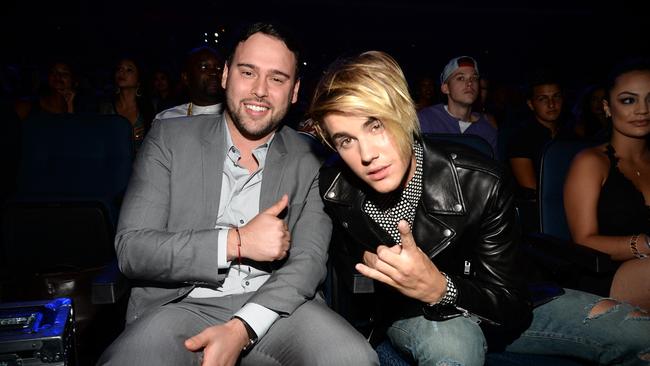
column 221, row 344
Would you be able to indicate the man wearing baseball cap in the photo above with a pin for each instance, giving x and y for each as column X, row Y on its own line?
column 459, row 81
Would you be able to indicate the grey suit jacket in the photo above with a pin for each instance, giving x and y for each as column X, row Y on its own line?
column 166, row 242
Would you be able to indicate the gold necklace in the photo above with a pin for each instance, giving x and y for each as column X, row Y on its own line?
column 189, row 109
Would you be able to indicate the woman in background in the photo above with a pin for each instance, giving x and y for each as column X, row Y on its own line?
column 607, row 191
column 58, row 97
column 130, row 100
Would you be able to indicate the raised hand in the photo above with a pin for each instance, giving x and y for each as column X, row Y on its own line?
column 405, row 268
column 68, row 96
column 266, row 237
column 221, row 344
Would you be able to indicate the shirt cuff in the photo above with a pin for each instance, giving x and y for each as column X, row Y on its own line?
column 258, row 317
column 451, row 293
column 222, row 249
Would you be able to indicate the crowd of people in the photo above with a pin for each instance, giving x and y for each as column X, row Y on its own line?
column 226, row 225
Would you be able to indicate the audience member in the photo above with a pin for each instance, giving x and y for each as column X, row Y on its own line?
column 227, row 252
column 591, row 122
column 58, row 97
column 607, row 190
column 202, row 78
column 482, row 104
column 425, row 94
column 436, row 223
column 162, row 90
column 130, row 100
column 460, row 83
column 545, row 99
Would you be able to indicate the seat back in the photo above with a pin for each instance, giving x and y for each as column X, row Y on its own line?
column 555, row 163
column 75, row 156
column 73, row 173
column 474, row 141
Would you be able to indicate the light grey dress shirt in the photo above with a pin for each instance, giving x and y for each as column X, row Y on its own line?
column 238, row 204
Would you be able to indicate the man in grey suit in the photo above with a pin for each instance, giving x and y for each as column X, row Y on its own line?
column 223, row 233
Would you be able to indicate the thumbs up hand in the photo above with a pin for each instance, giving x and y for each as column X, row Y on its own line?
column 406, row 268
column 266, row 237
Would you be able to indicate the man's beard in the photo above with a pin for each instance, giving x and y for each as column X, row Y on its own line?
column 236, row 117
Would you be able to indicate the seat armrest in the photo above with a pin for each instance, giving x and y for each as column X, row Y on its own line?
column 564, row 252
column 109, row 286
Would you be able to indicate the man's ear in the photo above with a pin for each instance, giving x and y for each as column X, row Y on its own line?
column 444, row 88
column 530, row 105
column 296, row 87
column 224, row 76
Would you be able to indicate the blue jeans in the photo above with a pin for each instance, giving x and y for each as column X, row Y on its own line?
column 570, row 325
column 454, row 342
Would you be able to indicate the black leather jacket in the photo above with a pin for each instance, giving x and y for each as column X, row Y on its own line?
column 465, row 222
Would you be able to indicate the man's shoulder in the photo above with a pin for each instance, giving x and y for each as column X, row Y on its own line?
column 173, row 112
column 298, row 142
column 463, row 156
column 436, row 119
column 198, row 126
column 433, row 111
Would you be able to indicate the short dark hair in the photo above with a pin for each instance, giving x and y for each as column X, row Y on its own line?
column 196, row 50
column 275, row 30
column 542, row 77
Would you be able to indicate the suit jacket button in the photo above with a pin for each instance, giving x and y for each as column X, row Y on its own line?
column 453, row 156
column 345, row 224
column 446, row 232
column 331, row 194
column 458, row 207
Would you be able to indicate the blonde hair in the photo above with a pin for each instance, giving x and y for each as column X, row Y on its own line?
column 368, row 85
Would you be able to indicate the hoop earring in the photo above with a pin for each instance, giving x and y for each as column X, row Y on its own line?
column 117, row 90
column 138, row 92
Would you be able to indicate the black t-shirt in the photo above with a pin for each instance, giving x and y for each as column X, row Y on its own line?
column 529, row 140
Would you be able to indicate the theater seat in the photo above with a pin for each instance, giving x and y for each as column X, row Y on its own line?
column 569, row 264
column 58, row 228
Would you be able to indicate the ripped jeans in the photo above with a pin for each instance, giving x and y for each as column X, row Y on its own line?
column 454, row 342
column 577, row 325
column 588, row 327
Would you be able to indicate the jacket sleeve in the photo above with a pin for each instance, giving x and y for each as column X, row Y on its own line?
column 305, row 269
column 146, row 249
column 497, row 290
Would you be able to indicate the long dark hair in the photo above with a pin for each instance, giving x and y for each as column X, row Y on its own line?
column 143, row 97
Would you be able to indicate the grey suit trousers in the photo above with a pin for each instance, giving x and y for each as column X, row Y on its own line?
column 312, row 335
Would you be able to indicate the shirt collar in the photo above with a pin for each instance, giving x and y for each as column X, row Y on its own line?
column 232, row 152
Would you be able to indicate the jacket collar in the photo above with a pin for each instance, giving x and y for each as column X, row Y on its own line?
column 441, row 192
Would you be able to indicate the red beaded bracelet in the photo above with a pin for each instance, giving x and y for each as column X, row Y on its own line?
column 238, row 246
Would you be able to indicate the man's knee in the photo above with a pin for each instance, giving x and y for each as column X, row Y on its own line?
column 352, row 352
column 458, row 341
column 150, row 340
column 453, row 352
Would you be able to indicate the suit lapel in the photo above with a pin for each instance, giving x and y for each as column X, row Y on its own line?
column 213, row 154
column 274, row 170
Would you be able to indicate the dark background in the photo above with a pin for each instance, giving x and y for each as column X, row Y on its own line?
column 582, row 39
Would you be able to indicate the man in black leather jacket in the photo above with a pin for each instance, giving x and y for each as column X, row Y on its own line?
column 435, row 224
